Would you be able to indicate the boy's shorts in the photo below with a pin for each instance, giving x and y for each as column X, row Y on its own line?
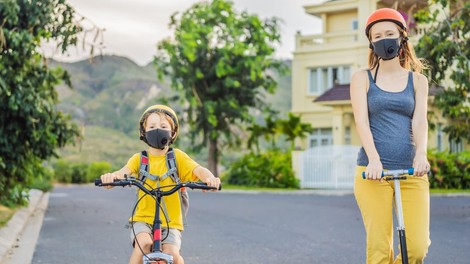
column 174, row 237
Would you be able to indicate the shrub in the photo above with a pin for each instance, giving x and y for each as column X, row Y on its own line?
column 449, row 170
column 269, row 169
column 96, row 169
column 63, row 171
column 79, row 173
column 67, row 172
column 43, row 178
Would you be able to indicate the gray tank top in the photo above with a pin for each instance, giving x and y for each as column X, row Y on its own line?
column 390, row 115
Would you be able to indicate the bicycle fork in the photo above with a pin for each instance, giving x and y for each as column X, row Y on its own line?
column 157, row 256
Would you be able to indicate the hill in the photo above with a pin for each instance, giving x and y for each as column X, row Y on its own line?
column 110, row 91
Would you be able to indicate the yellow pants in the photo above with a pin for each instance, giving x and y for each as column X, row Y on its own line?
column 376, row 199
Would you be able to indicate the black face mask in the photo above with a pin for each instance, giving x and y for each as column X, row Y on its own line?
column 158, row 138
column 386, row 49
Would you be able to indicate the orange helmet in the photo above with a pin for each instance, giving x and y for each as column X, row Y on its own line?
column 385, row 14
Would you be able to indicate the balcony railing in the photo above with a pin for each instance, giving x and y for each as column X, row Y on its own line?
column 326, row 39
column 335, row 40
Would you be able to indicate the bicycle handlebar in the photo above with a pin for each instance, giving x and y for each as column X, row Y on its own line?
column 138, row 184
column 395, row 173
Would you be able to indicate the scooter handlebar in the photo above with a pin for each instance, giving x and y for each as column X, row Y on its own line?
column 409, row 171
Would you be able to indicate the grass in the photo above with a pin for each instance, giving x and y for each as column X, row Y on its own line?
column 102, row 144
column 5, row 214
column 450, row 190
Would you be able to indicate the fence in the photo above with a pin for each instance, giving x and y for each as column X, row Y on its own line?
column 327, row 167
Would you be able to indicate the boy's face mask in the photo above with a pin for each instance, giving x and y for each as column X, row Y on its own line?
column 158, row 138
column 386, row 49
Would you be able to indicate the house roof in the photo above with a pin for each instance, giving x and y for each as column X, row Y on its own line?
column 339, row 92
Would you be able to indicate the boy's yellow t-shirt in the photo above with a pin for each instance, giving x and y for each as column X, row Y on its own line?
column 145, row 211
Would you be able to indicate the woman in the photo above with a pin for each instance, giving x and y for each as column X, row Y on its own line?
column 389, row 101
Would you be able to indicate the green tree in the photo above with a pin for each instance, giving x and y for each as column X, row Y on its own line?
column 219, row 60
column 445, row 46
column 31, row 128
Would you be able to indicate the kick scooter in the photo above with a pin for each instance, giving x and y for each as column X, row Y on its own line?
column 396, row 176
column 156, row 256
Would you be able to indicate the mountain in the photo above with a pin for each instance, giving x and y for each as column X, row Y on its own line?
column 109, row 91
column 107, row 99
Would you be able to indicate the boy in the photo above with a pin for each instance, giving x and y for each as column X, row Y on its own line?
column 159, row 128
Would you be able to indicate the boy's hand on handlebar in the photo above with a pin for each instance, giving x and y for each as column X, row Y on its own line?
column 108, row 178
column 212, row 182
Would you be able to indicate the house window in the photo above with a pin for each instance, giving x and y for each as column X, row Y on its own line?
column 320, row 137
column 322, row 79
column 313, row 81
column 347, row 135
column 354, row 26
column 456, row 147
column 440, row 134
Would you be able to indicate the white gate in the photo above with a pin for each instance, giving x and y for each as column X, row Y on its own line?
column 328, row 167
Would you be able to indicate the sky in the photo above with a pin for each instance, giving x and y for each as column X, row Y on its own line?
column 134, row 27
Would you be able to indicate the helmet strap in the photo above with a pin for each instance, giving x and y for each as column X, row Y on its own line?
column 376, row 71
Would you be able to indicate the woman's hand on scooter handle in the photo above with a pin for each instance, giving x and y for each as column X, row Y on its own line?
column 374, row 170
column 421, row 165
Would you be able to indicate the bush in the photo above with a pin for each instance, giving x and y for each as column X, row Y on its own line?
column 66, row 172
column 43, row 178
column 269, row 169
column 96, row 169
column 63, row 171
column 79, row 173
column 449, row 170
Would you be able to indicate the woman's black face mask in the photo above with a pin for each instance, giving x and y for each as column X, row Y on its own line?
column 158, row 138
column 387, row 49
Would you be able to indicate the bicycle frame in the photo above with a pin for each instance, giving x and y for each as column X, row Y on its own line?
column 156, row 255
column 157, row 252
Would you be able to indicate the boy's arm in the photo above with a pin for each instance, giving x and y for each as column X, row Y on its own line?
column 206, row 176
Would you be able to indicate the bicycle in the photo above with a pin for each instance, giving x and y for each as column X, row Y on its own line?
column 156, row 256
column 396, row 176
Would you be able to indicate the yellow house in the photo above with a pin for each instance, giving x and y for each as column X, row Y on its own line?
column 322, row 66
column 321, row 70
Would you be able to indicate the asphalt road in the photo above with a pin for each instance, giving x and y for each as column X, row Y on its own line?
column 85, row 224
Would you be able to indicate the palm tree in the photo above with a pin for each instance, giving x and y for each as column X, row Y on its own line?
column 293, row 128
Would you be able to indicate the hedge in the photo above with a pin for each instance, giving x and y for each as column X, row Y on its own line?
column 449, row 170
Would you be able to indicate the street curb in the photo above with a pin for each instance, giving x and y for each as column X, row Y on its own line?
column 10, row 233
